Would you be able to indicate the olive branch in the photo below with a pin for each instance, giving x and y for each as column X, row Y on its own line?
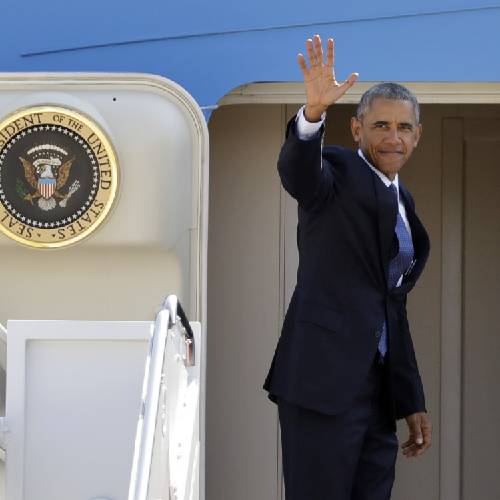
column 21, row 189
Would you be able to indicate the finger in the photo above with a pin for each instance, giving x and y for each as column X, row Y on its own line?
column 412, row 455
column 424, row 448
column 329, row 53
column 427, row 442
column 412, row 440
column 408, row 443
column 427, row 433
column 310, row 52
column 411, row 451
column 409, row 448
column 352, row 79
column 344, row 87
column 318, row 48
column 419, row 451
column 302, row 63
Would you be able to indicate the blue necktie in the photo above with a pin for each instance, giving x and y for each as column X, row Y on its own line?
column 399, row 264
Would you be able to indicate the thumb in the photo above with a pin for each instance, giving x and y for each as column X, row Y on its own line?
column 352, row 78
column 417, row 433
column 346, row 85
column 350, row 81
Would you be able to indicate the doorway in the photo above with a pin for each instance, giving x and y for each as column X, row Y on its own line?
column 454, row 176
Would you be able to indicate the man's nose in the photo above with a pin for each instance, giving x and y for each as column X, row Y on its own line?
column 393, row 135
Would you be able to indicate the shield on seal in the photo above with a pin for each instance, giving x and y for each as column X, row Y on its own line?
column 46, row 186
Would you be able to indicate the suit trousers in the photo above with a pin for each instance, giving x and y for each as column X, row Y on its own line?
column 349, row 456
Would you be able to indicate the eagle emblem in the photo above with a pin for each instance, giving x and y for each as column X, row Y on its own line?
column 47, row 170
column 58, row 176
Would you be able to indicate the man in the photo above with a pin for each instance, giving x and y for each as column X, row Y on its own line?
column 344, row 368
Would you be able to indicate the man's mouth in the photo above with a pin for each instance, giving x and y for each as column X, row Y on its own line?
column 383, row 152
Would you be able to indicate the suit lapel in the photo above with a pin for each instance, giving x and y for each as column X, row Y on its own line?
column 387, row 211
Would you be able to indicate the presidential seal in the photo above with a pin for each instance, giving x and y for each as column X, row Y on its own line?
column 58, row 176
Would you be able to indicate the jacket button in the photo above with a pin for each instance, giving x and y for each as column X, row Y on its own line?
column 378, row 334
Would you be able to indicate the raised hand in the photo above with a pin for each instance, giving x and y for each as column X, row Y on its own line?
column 322, row 89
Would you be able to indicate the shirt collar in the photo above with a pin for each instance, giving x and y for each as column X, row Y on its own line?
column 381, row 176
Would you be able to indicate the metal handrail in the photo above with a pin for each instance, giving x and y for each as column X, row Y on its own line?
column 144, row 440
column 173, row 305
column 166, row 318
column 3, row 333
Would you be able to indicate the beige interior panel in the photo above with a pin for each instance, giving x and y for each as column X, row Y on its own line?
column 481, row 402
column 243, row 302
column 56, row 283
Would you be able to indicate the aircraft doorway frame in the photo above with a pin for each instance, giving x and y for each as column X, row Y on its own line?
column 451, row 388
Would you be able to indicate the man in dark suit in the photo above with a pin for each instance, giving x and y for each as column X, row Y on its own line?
column 344, row 368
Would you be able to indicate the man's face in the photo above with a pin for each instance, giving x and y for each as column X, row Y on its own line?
column 387, row 134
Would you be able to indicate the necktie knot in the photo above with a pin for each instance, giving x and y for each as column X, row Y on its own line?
column 394, row 190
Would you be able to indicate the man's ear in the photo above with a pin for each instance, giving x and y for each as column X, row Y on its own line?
column 355, row 128
column 418, row 134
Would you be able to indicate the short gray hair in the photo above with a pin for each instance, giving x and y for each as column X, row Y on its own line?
column 387, row 90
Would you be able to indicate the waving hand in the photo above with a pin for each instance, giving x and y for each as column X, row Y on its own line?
column 322, row 89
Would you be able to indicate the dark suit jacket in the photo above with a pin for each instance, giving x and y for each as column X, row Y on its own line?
column 346, row 238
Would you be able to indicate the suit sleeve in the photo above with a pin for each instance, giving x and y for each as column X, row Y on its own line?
column 410, row 396
column 305, row 174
